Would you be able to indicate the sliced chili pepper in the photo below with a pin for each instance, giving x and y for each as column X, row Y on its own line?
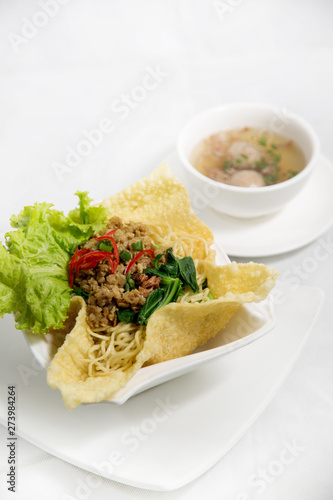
column 137, row 257
column 108, row 236
column 115, row 250
column 85, row 259
column 105, row 237
column 77, row 255
column 77, row 263
column 91, row 259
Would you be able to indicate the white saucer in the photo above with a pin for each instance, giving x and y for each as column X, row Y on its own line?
column 303, row 220
column 185, row 425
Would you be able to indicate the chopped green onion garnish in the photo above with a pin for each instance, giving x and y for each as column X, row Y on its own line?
column 137, row 245
column 125, row 255
column 262, row 141
column 105, row 247
column 130, row 283
column 270, row 178
column 261, row 164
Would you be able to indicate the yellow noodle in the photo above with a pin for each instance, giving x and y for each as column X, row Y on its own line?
column 117, row 350
column 164, row 236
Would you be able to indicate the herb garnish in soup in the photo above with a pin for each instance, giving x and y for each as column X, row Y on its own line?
column 248, row 157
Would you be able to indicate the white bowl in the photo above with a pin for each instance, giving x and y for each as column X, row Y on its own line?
column 249, row 324
column 246, row 202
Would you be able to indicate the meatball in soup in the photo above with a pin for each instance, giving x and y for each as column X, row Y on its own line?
column 248, row 157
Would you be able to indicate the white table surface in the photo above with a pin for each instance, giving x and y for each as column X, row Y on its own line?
column 62, row 79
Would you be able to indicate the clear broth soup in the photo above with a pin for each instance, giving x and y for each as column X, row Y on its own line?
column 248, row 157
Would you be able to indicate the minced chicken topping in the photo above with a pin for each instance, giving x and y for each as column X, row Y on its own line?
column 104, row 291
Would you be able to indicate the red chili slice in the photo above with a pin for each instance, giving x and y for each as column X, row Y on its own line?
column 91, row 259
column 85, row 259
column 76, row 256
column 137, row 257
column 115, row 252
column 106, row 235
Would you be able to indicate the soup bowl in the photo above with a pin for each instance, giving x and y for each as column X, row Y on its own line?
column 248, row 202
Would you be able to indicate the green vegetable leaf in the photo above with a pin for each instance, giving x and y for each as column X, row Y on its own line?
column 160, row 298
column 166, row 280
column 188, row 273
column 86, row 215
column 171, row 293
column 157, row 259
column 127, row 315
column 152, row 303
column 34, row 263
column 155, row 272
column 175, row 268
column 11, row 271
column 81, row 293
column 171, row 268
column 80, row 224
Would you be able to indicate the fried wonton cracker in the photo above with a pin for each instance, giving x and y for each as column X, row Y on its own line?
column 161, row 198
column 176, row 329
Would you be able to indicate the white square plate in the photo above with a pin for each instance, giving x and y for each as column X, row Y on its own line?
column 169, row 435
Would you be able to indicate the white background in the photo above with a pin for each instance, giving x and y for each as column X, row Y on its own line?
column 60, row 80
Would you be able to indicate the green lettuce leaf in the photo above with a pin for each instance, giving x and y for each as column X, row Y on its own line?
column 34, row 263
